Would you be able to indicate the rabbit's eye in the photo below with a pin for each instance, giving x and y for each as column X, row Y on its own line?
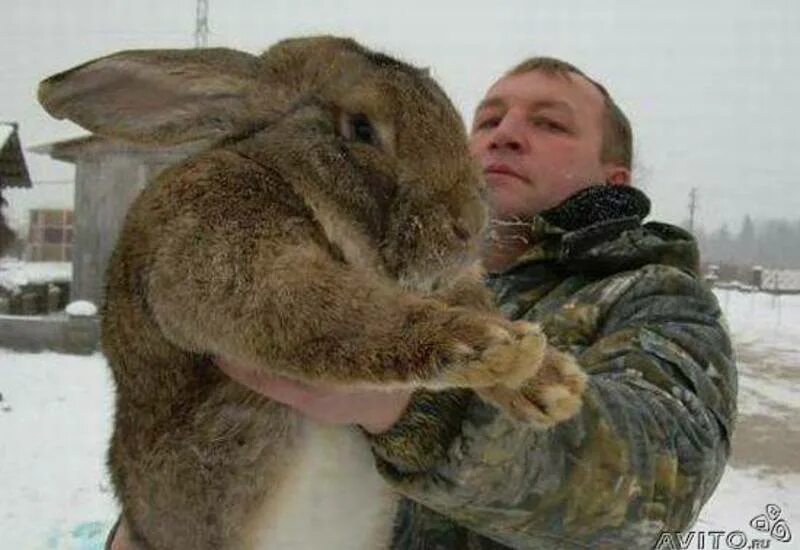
column 362, row 130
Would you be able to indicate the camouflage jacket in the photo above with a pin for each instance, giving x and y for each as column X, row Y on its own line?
column 653, row 436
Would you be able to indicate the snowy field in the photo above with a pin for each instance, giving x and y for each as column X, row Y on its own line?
column 765, row 467
column 55, row 414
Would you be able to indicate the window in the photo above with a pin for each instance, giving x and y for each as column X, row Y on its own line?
column 50, row 236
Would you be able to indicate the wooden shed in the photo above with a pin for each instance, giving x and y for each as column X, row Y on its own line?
column 109, row 174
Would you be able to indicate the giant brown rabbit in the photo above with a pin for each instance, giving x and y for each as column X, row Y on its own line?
column 328, row 233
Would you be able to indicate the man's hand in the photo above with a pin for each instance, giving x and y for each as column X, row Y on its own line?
column 374, row 410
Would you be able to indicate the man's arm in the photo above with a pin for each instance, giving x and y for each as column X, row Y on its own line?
column 644, row 454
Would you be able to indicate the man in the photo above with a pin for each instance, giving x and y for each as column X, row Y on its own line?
column 568, row 251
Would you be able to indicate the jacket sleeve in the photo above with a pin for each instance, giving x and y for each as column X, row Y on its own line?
column 643, row 455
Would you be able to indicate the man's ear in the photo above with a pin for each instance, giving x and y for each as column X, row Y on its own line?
column 617, row 175
column 156, row 96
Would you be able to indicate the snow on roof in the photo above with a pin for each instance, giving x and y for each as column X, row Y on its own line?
column 81, row 308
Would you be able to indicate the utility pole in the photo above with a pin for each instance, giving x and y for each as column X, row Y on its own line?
column 692, row 208
column 201, row 25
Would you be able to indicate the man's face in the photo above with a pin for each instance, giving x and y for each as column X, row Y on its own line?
column 537, row 138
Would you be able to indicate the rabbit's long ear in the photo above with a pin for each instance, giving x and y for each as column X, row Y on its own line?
column 156, row 96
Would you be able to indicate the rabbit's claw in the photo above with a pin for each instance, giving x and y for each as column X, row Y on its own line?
column 553, row 395
column 507, row 354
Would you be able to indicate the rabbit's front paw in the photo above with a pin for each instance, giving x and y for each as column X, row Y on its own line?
column 500, row 352
column 553, row 395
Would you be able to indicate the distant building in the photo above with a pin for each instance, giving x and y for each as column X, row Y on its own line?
column 780, row 281
column 39, row 212
column 109, row 174
column 13, row 173
column 41, row 215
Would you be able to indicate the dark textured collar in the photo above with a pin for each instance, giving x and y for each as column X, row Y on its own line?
column 598, row 204
column 589, row 217
column 599, row 231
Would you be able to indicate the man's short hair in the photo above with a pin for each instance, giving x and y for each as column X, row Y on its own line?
column 617, row 144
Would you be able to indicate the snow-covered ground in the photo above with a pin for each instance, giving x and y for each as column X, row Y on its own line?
column 765, row 467
column 55, row 418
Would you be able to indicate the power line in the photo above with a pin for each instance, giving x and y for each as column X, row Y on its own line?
column 692, row 208
column 201, row 25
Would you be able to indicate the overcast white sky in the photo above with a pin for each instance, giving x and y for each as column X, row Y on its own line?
column 712, row 88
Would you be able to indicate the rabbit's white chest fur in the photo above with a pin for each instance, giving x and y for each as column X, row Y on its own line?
column 332, row 497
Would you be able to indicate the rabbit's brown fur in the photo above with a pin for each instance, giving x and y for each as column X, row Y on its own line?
column 306, row 242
